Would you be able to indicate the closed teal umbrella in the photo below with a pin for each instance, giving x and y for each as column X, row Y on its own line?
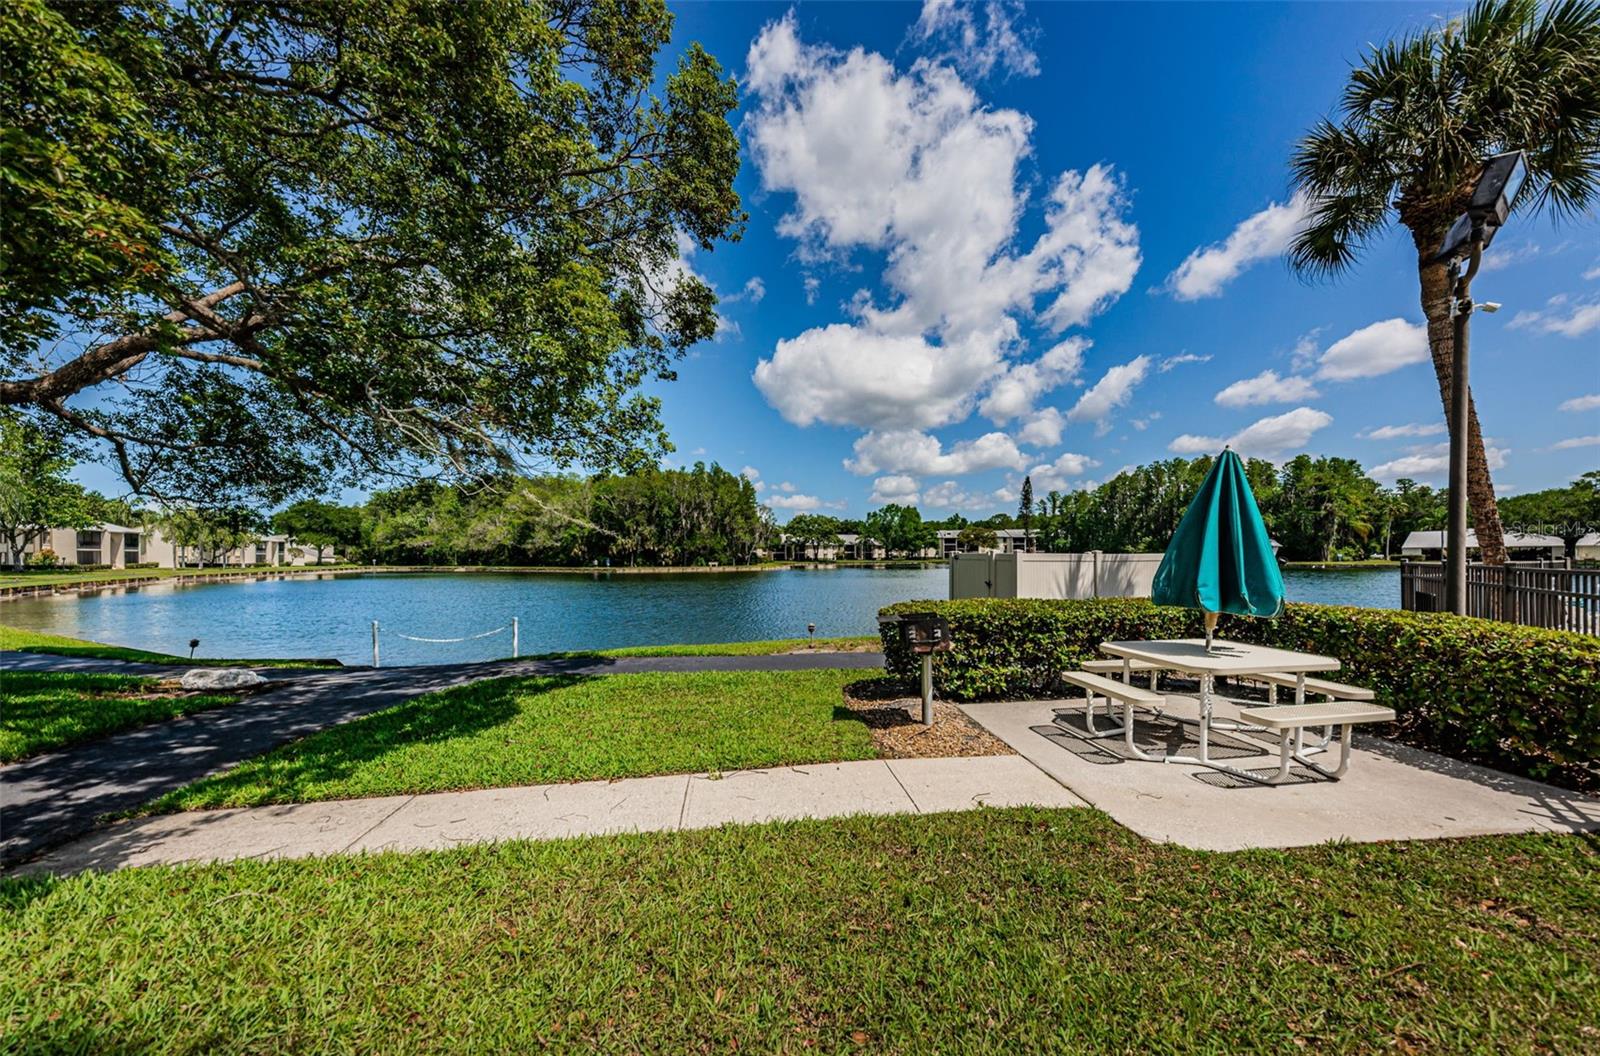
column 1220, row 559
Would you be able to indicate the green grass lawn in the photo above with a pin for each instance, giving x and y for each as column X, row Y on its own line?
column 527, row 731
column 990, row 931
column 48, row 710
column 759, row 648
column 16, row 639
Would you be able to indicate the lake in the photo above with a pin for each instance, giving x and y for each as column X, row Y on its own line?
column 331, row 615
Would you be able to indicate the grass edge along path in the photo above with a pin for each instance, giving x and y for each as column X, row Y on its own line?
column 48, row 710
column 19, row 640
column 770, row 647
column 993, row 930
column 538, row 730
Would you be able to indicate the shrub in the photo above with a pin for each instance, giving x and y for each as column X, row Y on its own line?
column 1512, row 697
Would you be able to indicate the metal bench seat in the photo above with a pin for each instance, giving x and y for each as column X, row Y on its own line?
column 1290, row 720
column 1320, row 686
column 1130, row 696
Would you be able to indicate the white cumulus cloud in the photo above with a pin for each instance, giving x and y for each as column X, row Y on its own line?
column 912, row 164
column 977, row 38
column 1431, row 463
column 844, row 375
column 1268, row 233
column 799, row 503
column 1373, row 350
column 1575, row 441
column 1581, row 319
column 1014, row 393
column 951, row 496
column 1113, row 390
column 919, row 453
column 1581, row 403
column 1058, row 475
column 1267, row 437
column 1043, row 427
column 897, row 487
column 1180, row 359
column 1393, row 432
column 1267, row 387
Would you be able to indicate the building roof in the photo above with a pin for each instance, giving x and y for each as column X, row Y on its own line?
column 1002, row 533
column 1435, row 540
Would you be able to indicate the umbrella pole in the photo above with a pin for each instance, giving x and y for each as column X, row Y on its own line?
column 1211, row 627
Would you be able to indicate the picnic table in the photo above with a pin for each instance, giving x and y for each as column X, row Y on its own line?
column 1191, row 656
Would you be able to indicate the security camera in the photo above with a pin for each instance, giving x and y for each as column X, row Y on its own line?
column 1490, row 306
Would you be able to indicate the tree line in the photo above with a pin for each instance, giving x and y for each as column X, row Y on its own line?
column 1319, row 509
column 662, row 517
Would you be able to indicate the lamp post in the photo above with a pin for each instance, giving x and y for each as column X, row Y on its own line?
column 1502, row 177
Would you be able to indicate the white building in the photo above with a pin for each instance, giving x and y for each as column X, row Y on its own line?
column 1589, row 547
column 120, row 546
column 1520, row 546
column 850, row 547
column 1007, row 541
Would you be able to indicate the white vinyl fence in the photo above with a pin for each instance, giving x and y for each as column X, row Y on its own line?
column 1063, row 576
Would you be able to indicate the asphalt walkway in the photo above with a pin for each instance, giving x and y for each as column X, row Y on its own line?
column 649, row 804
column 49, row 799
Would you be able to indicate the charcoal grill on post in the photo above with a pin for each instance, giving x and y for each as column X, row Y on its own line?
column 924, row 633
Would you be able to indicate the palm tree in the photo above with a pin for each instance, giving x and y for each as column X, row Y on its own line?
column 1417, row 120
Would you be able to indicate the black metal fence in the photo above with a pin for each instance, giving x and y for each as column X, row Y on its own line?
column 1561, row 599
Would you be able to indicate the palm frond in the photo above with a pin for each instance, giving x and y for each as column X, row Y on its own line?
column 1421, row 113
column 1338, row 229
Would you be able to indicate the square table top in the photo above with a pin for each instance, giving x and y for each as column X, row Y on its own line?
column 1226, row 657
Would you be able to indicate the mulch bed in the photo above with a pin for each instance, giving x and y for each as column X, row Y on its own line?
column 895, row 721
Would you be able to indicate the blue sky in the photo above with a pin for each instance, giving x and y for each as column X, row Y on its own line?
column 966, row 259
column 992, row 240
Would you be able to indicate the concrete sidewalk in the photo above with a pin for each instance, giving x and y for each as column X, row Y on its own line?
column 1391, row 792
column 648, row 804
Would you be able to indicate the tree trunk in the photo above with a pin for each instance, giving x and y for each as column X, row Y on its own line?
column 1436, row 296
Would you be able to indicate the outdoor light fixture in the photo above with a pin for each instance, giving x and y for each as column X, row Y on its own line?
column 1493, row 195
column 1502, row 177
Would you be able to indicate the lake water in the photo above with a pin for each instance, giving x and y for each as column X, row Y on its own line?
column 331, row 616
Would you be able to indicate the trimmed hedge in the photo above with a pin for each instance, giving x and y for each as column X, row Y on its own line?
column 1515, row 698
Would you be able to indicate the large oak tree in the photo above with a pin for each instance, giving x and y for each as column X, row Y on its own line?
column 259, row 247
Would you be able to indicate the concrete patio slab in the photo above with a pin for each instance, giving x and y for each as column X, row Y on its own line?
column 824, row 790
column 937, row 785
column 541, row 812
column 1391, row 792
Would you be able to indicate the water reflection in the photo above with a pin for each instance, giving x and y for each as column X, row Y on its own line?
column 331, row 615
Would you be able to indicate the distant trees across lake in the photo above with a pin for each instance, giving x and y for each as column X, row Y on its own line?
column 658, row 517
